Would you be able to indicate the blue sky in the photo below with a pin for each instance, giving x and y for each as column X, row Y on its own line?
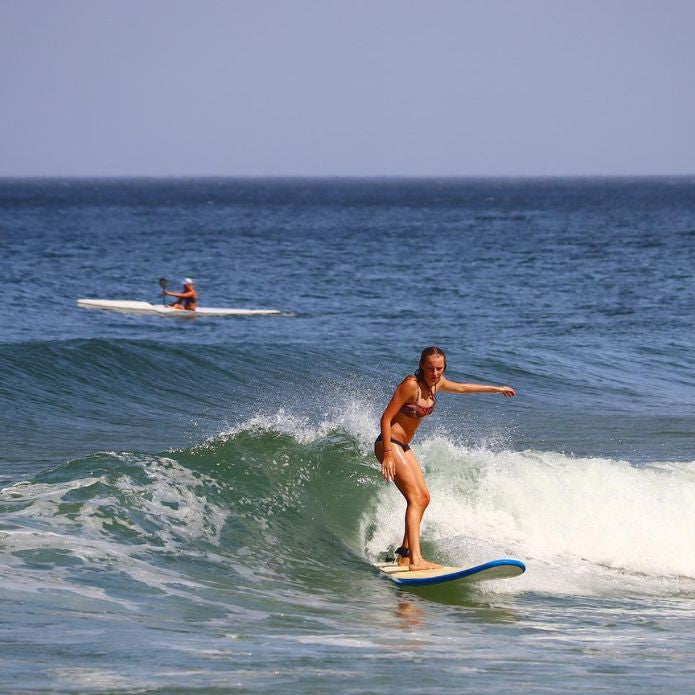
column 337, row 87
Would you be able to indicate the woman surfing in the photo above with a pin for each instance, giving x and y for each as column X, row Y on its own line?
column 413, row 400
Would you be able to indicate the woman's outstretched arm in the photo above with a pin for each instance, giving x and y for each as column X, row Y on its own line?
column 449, row 386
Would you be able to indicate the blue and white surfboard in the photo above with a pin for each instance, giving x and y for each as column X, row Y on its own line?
column 495, row 569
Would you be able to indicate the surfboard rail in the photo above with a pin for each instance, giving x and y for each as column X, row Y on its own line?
column 504, row 568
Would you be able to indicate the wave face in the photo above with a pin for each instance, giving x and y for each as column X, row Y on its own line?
column 295, row 485
column 289, row 511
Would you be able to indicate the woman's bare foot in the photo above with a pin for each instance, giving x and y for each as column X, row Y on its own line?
column 423, row 565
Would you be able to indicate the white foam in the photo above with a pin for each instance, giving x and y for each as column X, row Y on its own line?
column 581, row 524
column 168, row 507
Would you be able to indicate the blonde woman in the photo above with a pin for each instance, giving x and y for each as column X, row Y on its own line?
column 413, row 400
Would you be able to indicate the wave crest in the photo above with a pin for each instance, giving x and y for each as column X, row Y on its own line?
column 280, row 495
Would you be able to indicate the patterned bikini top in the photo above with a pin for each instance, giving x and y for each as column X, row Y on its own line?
column 417, row 410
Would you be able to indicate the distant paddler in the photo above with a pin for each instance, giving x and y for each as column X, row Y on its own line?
column 187, row 298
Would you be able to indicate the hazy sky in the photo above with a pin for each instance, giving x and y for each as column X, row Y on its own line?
column 347, row 87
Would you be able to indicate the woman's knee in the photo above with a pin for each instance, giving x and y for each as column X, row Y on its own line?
column 420, row 498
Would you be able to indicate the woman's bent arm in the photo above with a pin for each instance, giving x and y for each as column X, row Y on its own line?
column 401, row 396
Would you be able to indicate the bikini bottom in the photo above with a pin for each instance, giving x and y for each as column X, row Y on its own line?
column 403, row 446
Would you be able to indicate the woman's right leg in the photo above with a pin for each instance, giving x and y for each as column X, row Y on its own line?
column 411, row 483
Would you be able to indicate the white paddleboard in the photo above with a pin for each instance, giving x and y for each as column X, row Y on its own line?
column 496, row 569
column 133, row 307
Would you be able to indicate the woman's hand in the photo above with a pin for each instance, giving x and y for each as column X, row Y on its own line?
column 506, row 391
column 388, row 467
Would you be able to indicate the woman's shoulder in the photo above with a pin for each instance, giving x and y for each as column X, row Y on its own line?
column 410, row 382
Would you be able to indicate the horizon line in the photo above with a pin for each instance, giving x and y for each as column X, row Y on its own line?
column 343, row 177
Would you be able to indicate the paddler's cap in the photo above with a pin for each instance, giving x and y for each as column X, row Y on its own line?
column 188, row 281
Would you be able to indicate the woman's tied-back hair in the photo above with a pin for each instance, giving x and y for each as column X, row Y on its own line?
column 428, row 352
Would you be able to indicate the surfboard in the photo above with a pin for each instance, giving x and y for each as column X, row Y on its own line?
column 495, row 569
column 134, row 307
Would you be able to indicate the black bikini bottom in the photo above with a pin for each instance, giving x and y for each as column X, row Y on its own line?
column 405, row 447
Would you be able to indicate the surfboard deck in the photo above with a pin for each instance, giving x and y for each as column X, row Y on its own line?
column 126, row 306
column 495, row 569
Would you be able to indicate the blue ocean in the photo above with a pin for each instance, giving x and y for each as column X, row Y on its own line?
column 192, row 504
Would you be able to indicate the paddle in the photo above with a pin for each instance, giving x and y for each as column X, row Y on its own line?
column 163, row 282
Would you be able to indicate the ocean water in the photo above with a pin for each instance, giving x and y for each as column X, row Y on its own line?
column 193, row 505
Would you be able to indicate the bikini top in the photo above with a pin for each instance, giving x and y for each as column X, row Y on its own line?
column 417, row 410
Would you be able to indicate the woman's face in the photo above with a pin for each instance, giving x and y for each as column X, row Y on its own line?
column 433, row 368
